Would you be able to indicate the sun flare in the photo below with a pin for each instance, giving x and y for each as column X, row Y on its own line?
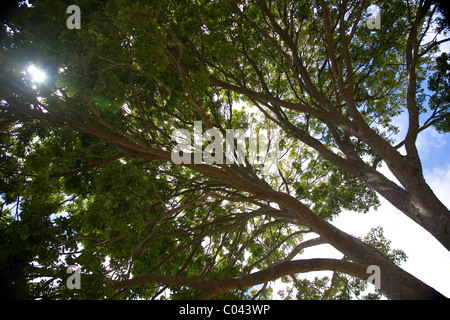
column 36, row 74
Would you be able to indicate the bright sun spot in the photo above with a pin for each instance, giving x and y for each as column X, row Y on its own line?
column 36, row 74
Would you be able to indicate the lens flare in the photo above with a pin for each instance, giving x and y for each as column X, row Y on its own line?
column 36, row 74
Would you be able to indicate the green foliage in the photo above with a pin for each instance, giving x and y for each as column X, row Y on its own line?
column 330, row 189
column 377, row 239
column 439, row 84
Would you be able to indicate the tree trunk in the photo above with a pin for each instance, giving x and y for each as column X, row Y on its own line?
column 416, row 199
column 419, row 202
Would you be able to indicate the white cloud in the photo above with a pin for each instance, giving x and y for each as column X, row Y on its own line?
column 439, row 180
column 428, row 142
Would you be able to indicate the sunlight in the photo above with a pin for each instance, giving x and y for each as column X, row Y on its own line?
column 36, row 74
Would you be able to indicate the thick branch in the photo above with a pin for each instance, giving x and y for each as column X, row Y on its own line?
column 213, row 288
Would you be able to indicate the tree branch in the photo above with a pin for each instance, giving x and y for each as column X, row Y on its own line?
column 213, row 288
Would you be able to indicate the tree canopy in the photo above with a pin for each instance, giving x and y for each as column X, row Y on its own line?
column 87, row 171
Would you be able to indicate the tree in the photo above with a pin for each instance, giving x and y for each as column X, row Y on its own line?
column 88, row 176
